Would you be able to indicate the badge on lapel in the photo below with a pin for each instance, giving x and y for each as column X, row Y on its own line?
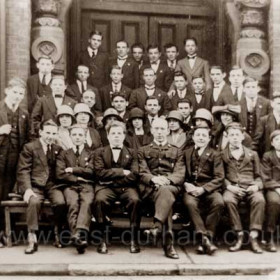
column 127, row 156
column 128, row 64
column 23, row 116
column 160, row 71
column 159, row 95
column 260, row 106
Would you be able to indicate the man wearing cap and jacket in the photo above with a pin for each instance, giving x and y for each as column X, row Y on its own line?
column 46, row 107
column 162, row 172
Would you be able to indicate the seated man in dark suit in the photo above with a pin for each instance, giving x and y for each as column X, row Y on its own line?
column 204, row 180
column 36, row 179
column 116, row 86
column 243, row 183
column 74, row 172
column 164, row 76
column 38, row 85
column 46, row 107
column 162, row 173
column 76, row 90
column 130, row 69
column 117, row 169
column 138, row 96
column 96, row 60
column 270, row 166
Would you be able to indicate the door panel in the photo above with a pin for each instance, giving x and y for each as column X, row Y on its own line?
column 115, row 27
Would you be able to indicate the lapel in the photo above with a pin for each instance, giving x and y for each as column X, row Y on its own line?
column 3, row 113
column 157, row 93
column 259, row 106
column 51, row 104
column 71, row 157
column 124, row 156
column 21, row 120
column 197, row 64
column 108, row 157
column 67, row 101
column 243, row 114
column 247, row 157
column 188, row 156
column 203, row 158
column 271, row 123
column 83, row 158
column 274, row 158
column 39, row 150
column 187, row 65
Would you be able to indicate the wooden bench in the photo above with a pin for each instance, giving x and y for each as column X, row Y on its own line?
column 19, row 207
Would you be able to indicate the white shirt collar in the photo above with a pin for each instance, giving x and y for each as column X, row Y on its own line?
column 200, row 150
column 277, row 117
column 160, row 144
column 91, row 51
column 10, row 106
column 48, row 77
column 122, row 58
column 220, row 85
column 117, row 86
column 122, row 114
column 80, row 148
column 44, row 145
column 152, row 117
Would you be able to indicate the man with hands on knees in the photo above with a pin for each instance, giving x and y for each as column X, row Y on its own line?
column 204, row 179
column 36, row 179
column 74, row 172
column 243, row 183
column 162, row 172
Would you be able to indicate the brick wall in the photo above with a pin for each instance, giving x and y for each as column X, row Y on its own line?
column 274, row 44
column 18, row 26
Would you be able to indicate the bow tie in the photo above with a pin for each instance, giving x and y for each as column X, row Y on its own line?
column 116, row 148
column 151, row 88
column 234, row 148
column 154, row 63
column 216, row 86
column 199, row 93
column 191, row 57
column 58, row 96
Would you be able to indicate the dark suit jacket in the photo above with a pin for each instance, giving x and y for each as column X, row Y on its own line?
column 170, row 165
column 98, row 67
column 82, row 167
column 164, row 76
column 201, row 68
column 130, row 72
column 45, row 109
column 132, row 141
column 35, row 90
column 114, row 177
column 73, row 92
column 270, row 170
column 95, row 137
column 33, row 169
column 105, row 95
column 204, row 103
column 262, row 108
column 261, row 140
column 138, row 98
column 210, row 173
column 23, row 123
column 249, row 172
column 175, row 98
column 225, row 97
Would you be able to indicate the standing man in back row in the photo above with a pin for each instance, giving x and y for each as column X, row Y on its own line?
column 193, row 65
column 96, row 60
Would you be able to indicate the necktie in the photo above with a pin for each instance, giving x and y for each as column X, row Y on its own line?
column 115, row 88
column 44, row 80
column 152, row 119
column 77, row 152
column 83, row 87
column 236, row 95
column 191, row 57
column 92, row 54
column 49, row 154
column 172, row 65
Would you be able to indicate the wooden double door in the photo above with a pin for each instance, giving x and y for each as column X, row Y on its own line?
column 149, row 29
column 147, row 22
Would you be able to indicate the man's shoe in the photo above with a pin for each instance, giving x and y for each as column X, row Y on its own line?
column 57, row 242
column 102, row 248
column 237, row 246
column 208, row 245
column 134, row 247
column 255, row 246
column 200, row 250
column 170, row 252
column 271, row 247
column 32, row 244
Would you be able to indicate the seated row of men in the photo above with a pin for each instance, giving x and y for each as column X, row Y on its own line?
column 86, row 183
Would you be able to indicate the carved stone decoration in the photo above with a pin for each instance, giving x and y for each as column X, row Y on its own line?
column 47, row 36
column 252, row 47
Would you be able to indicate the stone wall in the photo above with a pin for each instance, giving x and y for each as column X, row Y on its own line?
column 274, row 44
column 18, row 26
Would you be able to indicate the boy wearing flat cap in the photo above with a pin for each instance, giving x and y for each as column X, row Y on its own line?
column 270, row 167
column 243, row 183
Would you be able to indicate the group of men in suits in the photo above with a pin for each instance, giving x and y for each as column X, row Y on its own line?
column 168, row 151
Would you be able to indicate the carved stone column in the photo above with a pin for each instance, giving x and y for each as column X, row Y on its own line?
column 47, row 35
column 252, row 46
